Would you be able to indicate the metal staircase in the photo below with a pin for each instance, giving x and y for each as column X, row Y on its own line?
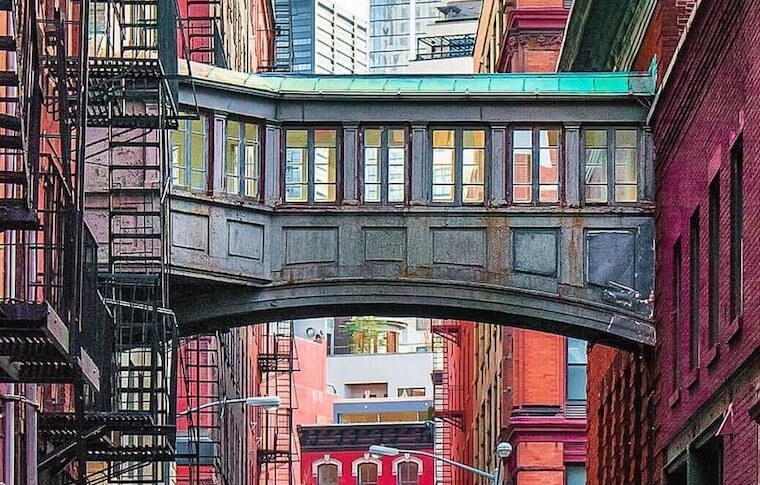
column 202, row 25
column 277, row 362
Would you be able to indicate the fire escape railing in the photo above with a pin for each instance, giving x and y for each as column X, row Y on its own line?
column 445, row 46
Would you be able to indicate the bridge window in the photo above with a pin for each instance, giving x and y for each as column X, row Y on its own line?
column 241, row 159
column 311, row 159
column 535, row 182
column 189, row 151
column 384, row 165
column 459, row 166
column 614, row 182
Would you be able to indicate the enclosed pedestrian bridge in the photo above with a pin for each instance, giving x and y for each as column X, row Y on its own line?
column 512, row 199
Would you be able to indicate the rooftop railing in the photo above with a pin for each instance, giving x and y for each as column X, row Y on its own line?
column 445, row 47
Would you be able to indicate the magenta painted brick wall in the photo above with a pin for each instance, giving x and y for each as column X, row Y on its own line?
column 710, row 98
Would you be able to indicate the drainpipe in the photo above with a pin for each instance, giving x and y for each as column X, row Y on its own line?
column 9, row 440
column 30, row 425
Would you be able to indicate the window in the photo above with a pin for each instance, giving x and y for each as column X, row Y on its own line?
column 408, row 473
column 311, row 160
column 411, row 392
column 576, row 370
column 575, row 475
column 459, row 166
column 327, row 474
column 737, row 216
column 384, row 165
column 241, row 159
column 677, row 312
column 694, row 290
column 614, row 182
column 713, row 289
column 189, row 150
column 367, row 474
column 535, row 182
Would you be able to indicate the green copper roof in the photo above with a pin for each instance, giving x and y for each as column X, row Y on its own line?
column 421, row 86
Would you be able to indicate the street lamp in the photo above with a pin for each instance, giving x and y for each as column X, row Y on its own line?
column 270, row 403
column 503, row 450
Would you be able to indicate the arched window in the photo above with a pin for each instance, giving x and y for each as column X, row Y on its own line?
column 367, row 474
column 327, row 474
column 408, row 473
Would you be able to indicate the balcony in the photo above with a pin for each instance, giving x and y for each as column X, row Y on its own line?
column 445, row 47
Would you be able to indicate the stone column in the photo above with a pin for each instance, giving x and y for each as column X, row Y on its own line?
column 350, row 164
column 572, row 165
column 498, row 172
column 216, row 155
column 420, row 184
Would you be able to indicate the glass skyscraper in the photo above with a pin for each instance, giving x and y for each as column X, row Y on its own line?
column 327, row 39
column 394, row 26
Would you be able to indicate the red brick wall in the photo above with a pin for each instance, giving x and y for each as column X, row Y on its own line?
column 710, row 97
column 539, row 369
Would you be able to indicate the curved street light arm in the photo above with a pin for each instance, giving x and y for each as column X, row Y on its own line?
column 476, row 471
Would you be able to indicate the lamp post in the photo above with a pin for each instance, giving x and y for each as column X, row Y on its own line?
column 270, row 403
column 503, row 450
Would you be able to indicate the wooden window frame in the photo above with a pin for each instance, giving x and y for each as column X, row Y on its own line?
column 311, row 129
column 459, row 164
column 383, row 164
column 242, row 159
column 536, row 164
column 611, row 165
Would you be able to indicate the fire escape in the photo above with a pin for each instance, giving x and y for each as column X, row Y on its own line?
column 198, row 424
column 277, row 362
column 449, row 412
column 202, row 25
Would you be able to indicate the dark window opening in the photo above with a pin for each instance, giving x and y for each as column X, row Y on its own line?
column 714, row 261
column 737, row 215
column 677, row 289
column 694, row 290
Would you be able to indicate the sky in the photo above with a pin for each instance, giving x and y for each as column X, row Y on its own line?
column 359, row 8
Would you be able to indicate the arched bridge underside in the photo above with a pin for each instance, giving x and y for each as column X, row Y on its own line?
column 549, row 225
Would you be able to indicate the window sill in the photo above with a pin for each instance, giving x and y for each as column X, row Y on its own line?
column 712, row 354
column 674, row 398
column 734, row 329
column 692, row 378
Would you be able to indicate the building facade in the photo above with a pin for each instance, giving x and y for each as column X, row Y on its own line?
column 339, row 454
column 327, row 39
column 693, row 404
column 394, row 27
column 446, row 45
column 520, row 36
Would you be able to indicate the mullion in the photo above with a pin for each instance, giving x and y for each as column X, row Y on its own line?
column 536, row 165
column 384, row 166
column 311, row 153
column 458, row 165
column 611, row 166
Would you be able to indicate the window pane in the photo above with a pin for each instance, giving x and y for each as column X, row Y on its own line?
column 596, row 138
column 296, row 138
column 443, row 138
column 325, row 138
column 396, row 138
column 576, row 351
column 251, row 174
column 367, row 474
column 395, row 193
column 443, row 174
column 372, row 138
column 576, row 382
column 625, row 138
column 232, row 166
column 327, row 474
column 522, row 139
column 474, row 139
column 576, row 475
column 408, row 473
column 251, row 133
column 372, row 192
column 596, row 171
column 626, row 193
column 296, row 175
column 324, row 174
column 178, row 157
column 473, row 176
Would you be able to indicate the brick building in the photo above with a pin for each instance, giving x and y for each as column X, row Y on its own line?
column 338, row 454
column 529, row 387
column 691, row 408
column 520, row 36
